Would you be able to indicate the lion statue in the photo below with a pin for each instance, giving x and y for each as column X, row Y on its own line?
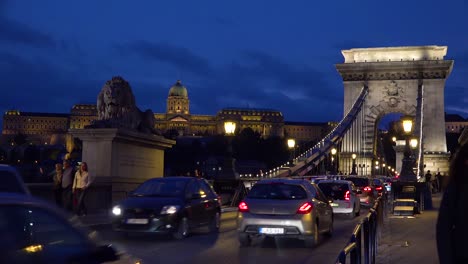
column 116, row 108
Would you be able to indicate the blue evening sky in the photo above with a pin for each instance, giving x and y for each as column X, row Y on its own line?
column 257, row 54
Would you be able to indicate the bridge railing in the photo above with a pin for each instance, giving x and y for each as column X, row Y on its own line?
column 317, row 153
column 362, row 245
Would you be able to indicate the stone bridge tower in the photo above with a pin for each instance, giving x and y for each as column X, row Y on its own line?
column 406, row 80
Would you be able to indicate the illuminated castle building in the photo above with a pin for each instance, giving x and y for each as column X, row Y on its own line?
column 45, row 128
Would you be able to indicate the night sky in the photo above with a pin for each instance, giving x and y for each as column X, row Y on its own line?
column 257, row 54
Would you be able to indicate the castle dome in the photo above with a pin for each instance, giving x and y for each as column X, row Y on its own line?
column 178, row 90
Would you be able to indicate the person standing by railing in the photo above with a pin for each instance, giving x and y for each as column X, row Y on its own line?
column 452, row 222
column 67, row 183
column 80, row 186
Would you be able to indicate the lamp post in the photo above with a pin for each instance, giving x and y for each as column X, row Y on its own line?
column 229, row 170
column 407, row 173
column 376, row 171
column 333, row 152
column 292, row 149
column 353, row 171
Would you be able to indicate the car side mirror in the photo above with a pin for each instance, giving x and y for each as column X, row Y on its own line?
column 130, row 193
column 105, row 253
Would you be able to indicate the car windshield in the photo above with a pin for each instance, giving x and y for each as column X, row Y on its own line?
column 10, row 183
column 277, row 192
column 162, row 188
column 359, row 182
column 377, row 182
column 334, row 190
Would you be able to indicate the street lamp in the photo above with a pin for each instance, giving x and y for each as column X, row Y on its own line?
column 333, row 152
column 353, row 171
column 229, row 170
column 407, row 173
column 292, row 149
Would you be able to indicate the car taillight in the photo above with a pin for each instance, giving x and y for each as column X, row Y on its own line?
column 346, row 196
column 243, row 207
column 378, row 188
column 367, row 189
column 305, row 208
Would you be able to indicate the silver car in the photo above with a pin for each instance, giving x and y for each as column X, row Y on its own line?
column 285, row 208
column 344, row 196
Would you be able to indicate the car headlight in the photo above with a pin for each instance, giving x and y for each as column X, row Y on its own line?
column 170, row 209
column 116, row 210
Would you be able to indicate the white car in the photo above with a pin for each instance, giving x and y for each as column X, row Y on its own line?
column 343, row 195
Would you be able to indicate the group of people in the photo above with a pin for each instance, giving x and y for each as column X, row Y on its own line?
column 434, row 181
column 71, row 185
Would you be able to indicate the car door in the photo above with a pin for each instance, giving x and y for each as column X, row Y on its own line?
column 210, row 204
column 194, row 205
column 36, row 235
column 326, row 211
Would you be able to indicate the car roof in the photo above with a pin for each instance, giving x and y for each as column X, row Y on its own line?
column 19, row 198
column 336, row 181
column 288, row 181
column 23, row 199
column 19, row 180
column 172, row 178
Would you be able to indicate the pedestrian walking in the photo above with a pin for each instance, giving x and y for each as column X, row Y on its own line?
column 428, row 177
column 452, row 227
column 81, row 184
column 439, row 181
column 67, row 184
column 57, row 175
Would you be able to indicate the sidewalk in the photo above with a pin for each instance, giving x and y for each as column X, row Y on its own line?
column 104, row 217
column 410, row 239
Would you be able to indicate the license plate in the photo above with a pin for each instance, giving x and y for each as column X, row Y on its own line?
column 334, row 204
column 137, row 221
column 271, row 231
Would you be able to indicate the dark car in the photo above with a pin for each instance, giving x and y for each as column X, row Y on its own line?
column 368, row 193
column 11, row 180
column 34, row 231
column 169, row 205
column 380, row 187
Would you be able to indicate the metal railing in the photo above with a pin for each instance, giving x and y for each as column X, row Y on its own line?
column 364, row 240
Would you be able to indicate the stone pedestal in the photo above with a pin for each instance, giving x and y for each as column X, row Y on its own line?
column 119, row 160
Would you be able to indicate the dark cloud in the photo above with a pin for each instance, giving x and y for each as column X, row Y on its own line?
column 224, row 21
column 17, row 33
column 456, row 98
column 36, row 85
column 461, row 60
column 290, row 78
column 179, row 57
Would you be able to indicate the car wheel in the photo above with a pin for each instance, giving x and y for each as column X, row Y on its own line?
column 182, row 230
column 312, row 241
column 244, row 240
column 215, row 223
